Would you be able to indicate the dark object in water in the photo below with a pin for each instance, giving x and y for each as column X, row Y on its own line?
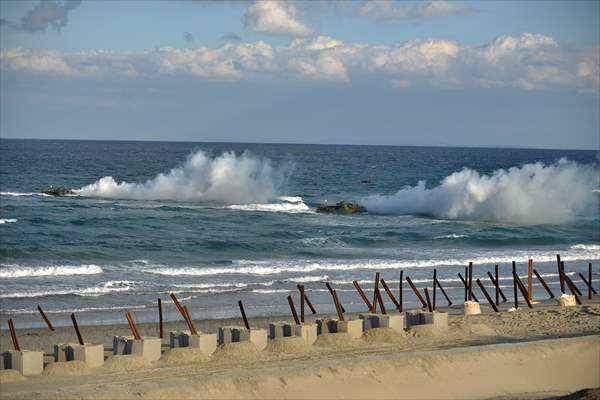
column 58, row 191
column 342, row 207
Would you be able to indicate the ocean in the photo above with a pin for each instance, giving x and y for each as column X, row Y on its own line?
column 220, row 222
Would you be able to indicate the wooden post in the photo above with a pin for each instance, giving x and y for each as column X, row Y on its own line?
column 293, row 308
column 523, row 291
column 470, row 280
column 560, row 273
column 331, row 292
column 362, row 294
column 572, row 286
column 590, row 281
column 39, row 308
column 375, row 287
column 79, row 338
column 390, row 294
column 487, row 296
column 543, row 283
column 467, row 287
column 188, row 318
column 429, row 307
column 160, row 318
column 416, row 291
column 434, row 280
column 530, row 279
column 132, row 326
column 301, row 303
column 13, row 335
column 380, row 301
column 587, row 283
column 514, row 274
column 244, row 315
column 465, row 283
column 573, row 289
column 496, row 283
column 308, row 303
column 443, row 292
column 338, row 306
column 400, row 294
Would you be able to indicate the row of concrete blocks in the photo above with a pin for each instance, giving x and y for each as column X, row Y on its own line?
column 31, row 362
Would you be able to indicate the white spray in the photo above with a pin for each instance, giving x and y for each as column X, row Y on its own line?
column 531, row 194
column 227, row 179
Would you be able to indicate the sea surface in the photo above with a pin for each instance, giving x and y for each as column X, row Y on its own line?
column 219, row 222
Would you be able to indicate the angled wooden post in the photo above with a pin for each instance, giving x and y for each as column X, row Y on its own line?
column 160, row 318
column 416, row 292
column 13, row 335
column 543, row 282
column 514, row 275
column 572, row 286
column 573, row 289
column 243, row 315
column 400, row 294
column 470, row 280
column 530, row 279
column 380, row 301
column 362, row 294
column 76, row 326
column 497, row 285
column 560, row 273
column 294, row 315
column 467, row 287
column 523, row 291
column 331, row 292
column 375, row 287
column 429, row 307
column 434, row 280
column 301, row 303
column 487, row 296
column 308, row 303
column 190, row 321
column 587, row 284
column 338, row 306
column 437, row 282
column 46, row 320
column 390, row 294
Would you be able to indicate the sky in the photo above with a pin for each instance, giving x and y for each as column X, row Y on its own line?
column 432, row 73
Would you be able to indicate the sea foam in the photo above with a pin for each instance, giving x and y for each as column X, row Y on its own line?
column 226, row 179
column 531, row 194
column 18, row 271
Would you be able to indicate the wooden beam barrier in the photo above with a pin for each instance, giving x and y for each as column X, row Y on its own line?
column 293, row 308
column 246, row 324
column 76, row 326
column 514, row 275
column 560, row 273
column 562, row 263
column 434, row 279
column 46, row 320
column 530, row 279
column 589, row 286
column 338, row 306
column 308, row 303
column 429, row 307
column 160, row 319
column 362, row 294
column 13, row 335
column 190, row 321
column 496, row 283
column 543, row 282
column 400, row 292
column 523, row 290
column 470, row 280
column 464, row 282
column 416, row 292
column 132, row 326
column 572, row 288
column 390, row 294
column 375, row 287
column 301, row 303
column 186, row 317
column 437, row 282
column 331, row 292
column 487, row 296
column 380, row 300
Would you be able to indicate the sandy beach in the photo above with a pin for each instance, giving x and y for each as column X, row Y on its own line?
column 540, row 353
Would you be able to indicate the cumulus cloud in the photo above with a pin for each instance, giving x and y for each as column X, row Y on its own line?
column 275, row 18
column 527, row 61
column 390, row 9
column 47, row 13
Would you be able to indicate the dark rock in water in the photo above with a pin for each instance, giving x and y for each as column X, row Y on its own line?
column 58, row 191
column 343, row 207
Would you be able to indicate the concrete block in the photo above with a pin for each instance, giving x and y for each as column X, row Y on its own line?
column 276, row 329
column 2, row 361
column 326, row 325
column 471, row 308
column 119, row 344
column 393, row 321
column 91, row 354
column 233, row 334
column 354, row 328
column 63, row 352
column 175, row 338
column 259, row 338
column 148, row 347
column 567, row 300
column 206, row 342
column 435, row 320
column 307, row 332
column 28, row 363
column 369, row 321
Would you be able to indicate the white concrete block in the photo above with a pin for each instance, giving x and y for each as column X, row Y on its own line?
column 119, row 344
column 567, row 300
column 148, row 348
column 91, row 354
column 435, row 320
column 276, row 329
column 206, row 342
column 28, row 363
column 471, row 308
column 259, row 338
column 354, row 328
column 307, row 332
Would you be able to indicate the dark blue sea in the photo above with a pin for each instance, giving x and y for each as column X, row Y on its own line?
column 219, row 222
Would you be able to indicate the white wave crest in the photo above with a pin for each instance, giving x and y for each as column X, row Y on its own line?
column 94, row 291
column 7, row 221
column 451, row 236
column 532, row 194
column 591, row 247
column 73, row 310
column 20, row 194
column 18, row 271
column 285, row 207
column 227, row 179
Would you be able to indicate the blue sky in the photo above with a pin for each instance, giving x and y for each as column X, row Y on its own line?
column 377, row 72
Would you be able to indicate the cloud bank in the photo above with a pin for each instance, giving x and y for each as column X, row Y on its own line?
column 275, row 18
column 527, row 61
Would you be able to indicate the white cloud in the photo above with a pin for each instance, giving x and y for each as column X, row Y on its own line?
column 527, row 61
column 275, row 18
column 395, row 9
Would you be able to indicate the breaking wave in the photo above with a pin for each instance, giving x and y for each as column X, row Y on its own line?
column 7, row 221
column 105, row 288
column 18, row 271
column 19, row 194
column 287, row 204
column 227, row 179
column 531, row 194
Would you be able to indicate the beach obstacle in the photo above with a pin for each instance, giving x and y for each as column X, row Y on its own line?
column 308, row 303
column 439, row 285
column 391, row 295
column 160, row 319
column 560, row 273
column 530, row 279
column 362, row 295
column 416, row 292
column 27, row 362
column 306, row 331
column 206, row 342
column 429, row 306
column 588, row 282
column 45, row 317
column 424, row 321
column 517, row 283
column 234, row 334
column 400, row 292
column 573, row 289
column 354, row 328
column 148, row 348
column 91, row 354
column 466, row 285
column 392, row 321
column 328, row 286
column 470, row 281
column 543, row 282
column 496, row 283
column 487, row 296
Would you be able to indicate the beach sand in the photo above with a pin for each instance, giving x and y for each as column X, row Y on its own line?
column 540, row 353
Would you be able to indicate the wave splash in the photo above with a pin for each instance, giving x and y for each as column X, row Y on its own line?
column 531, row 194
column 227, row 179
column 18, row 271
